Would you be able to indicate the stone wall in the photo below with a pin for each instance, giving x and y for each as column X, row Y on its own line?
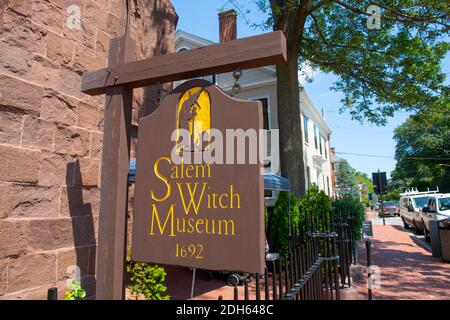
column 51, row 133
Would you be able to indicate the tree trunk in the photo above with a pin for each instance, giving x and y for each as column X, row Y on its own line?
column 289, row 120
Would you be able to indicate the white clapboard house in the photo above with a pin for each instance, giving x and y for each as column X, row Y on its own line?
column 261, row 84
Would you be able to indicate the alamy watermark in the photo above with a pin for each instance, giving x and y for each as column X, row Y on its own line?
column 74, row 273
column 234, row 146
column 374, row 280
column 73, row 21
column 374, row 20
column 371, row 275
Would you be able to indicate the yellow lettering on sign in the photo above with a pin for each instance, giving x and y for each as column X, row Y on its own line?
column 226, row 223
column 162, row 178
column 169, row 219
column 190, row 171
column 192, row 197
column 224, row 200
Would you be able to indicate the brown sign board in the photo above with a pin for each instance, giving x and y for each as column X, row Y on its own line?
column 199, row 214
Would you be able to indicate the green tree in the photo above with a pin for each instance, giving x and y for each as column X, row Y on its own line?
column 393, row 195
column 285, row 214
column 379, row 70
column 314, row 203
column 422, row 150
column 346, row 183
column 366, row 186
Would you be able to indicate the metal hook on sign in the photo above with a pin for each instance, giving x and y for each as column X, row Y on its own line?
column 237, row 74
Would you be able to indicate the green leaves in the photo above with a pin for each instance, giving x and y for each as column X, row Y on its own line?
column 74, row 291
column 366, row 186
column 381, row 70
column 354, row 208
column 147, row 281
column 314, row 202
column 311, row 209
column 346, row 181
column 278, row 225
column 422, row 150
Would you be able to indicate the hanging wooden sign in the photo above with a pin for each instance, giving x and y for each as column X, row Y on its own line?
column 199, row 188
column 117, row 82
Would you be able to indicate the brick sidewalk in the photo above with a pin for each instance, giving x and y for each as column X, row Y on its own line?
column 408, row 271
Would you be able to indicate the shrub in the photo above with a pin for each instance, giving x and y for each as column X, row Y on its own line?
column 74, row 291
column 278, row 222
column 147, row 280
column 313, row 208
column 354, row 208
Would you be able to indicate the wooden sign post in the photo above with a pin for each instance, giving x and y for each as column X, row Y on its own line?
column 117, row 82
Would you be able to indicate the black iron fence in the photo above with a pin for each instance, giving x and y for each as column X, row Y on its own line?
column 316, row 266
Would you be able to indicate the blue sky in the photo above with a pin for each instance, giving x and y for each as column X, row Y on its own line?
column 348, row 136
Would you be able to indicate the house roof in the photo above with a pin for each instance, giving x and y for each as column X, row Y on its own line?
column 227, row 81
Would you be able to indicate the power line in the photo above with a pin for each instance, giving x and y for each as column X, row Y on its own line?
column 390, row 157
column 373, row 130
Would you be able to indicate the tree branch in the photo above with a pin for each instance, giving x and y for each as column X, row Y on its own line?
column 408, row 18
column 316, row 6
column 351, row 8
column 412, row 18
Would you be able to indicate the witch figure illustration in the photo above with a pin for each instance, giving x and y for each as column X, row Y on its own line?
column 194, row 116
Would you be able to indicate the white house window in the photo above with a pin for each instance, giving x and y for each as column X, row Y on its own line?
column 265, row 105
column 320, row 145
column 305, row 128
column 268, row 194
column 328, row 185
column 315, row 137
column 308, row 176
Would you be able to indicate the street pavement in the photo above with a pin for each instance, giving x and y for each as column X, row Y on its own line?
column 405, row 268
column 397, row 221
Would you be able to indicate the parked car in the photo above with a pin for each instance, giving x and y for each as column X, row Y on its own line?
column 389, row 208
column 411, row 204
column 437, row 208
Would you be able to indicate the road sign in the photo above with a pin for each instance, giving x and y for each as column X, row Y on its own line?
column 367, row 229
column 379, row 182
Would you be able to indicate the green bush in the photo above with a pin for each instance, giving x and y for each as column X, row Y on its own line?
column 147, row 280
column 313, row 208
column 354, row 208
column 75, row 291
column 278, row 222
column 314, row 203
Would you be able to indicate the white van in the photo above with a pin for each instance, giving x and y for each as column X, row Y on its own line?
column 411, row 204
column 437, row 208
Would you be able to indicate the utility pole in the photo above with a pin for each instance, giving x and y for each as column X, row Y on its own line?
column 381, row 196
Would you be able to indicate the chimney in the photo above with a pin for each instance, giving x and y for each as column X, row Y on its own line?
column 227, row 26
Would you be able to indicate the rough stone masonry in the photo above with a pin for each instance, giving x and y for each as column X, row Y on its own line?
column 51, row 133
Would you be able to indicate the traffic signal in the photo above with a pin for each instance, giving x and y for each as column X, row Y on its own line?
column 379, row 182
